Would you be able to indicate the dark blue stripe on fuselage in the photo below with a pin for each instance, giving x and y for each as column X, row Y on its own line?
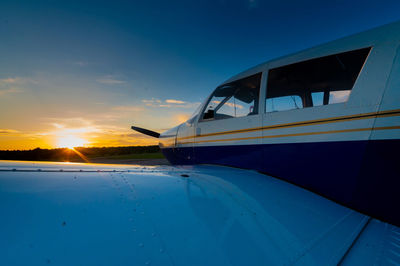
column 364, row 175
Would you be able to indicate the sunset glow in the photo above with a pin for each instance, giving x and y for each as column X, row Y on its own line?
column 70, row 142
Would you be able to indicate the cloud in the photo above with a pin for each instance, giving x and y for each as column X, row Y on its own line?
column 14, row 84
column 174, row 101
column 10, row 90
column 16, row 80
column 8, row 131
column 67, row 122
column 151, row 101
column 170, row 103
column 82, row 125
column 110, row 81
column 8, row 80
column 57, row 125
column 128, row 108
column 81, row 63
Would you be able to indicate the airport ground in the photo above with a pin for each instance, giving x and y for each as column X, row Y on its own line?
column 142, row 155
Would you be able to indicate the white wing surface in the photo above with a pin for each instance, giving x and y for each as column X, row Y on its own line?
column 88, row 214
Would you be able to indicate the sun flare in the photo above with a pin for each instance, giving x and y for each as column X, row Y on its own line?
column 70, row 141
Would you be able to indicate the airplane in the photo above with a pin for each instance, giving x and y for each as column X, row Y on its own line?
column 292, row 162
column 326, row 119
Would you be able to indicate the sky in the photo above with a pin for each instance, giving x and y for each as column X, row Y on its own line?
column 82, row 72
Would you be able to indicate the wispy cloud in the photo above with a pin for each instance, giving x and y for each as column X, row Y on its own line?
column 57, row 125
column 110, row 80
column 10, row 90
column 151, row 101
column 8, row 131
column 81, row 63
column 170, row 103
column 8, row 80
column 14, row 84
column 16, row 80
column 128, row 108
column 174, row 101
column 67, row 122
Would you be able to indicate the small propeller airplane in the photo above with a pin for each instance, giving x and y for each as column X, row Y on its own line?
column 292, row 162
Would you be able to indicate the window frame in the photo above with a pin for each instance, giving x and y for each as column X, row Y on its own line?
column 292, row 62
column 261, row 95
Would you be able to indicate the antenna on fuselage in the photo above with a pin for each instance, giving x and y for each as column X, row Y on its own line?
column 146, row 132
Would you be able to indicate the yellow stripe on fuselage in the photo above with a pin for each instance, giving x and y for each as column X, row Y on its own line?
column 299, row 124
column 295, row 134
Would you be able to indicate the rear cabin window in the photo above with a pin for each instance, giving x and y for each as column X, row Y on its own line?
column 316, row 82
column 236, row 99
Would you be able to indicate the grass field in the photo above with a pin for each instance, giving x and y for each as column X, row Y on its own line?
column 115, row 155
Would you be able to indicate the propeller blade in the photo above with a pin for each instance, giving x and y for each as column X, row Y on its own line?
column 146, row 132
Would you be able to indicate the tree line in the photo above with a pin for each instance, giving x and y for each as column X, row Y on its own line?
column 65, row 154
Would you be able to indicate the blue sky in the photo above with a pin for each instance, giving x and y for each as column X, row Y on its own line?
column 97, row 67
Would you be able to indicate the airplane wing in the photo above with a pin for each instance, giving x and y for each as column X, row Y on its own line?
column 90, row 214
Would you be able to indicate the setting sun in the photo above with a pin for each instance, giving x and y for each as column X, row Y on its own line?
column 70, row 141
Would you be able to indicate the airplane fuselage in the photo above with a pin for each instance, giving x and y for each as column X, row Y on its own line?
column 327, row 119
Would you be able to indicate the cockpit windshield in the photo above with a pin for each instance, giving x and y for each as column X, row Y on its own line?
column 195, row 114
column 235, row 99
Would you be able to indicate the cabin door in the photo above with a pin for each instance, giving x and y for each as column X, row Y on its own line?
column 234, row 142
column 184, row 141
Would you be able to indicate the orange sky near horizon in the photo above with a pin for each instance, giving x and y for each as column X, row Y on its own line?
column 89, row 135
column 32, row 121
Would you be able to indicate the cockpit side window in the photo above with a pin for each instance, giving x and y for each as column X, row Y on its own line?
column 315, row 82
column 236, row 99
